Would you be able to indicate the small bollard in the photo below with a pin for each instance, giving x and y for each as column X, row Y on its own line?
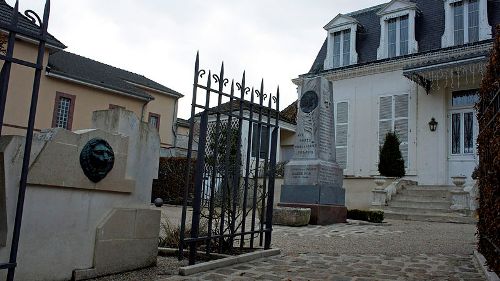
column 158, row 202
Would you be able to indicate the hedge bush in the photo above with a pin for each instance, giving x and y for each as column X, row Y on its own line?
column 362, row 215
column 489, row 166
column 172, row 180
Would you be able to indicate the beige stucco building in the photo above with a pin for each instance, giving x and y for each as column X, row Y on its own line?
column 72, row 87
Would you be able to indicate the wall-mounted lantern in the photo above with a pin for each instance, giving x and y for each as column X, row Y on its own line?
column 433, row 124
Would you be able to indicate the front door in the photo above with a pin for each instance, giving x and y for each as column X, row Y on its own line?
column 462, row 134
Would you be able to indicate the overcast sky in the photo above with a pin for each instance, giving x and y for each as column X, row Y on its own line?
column 272, row 39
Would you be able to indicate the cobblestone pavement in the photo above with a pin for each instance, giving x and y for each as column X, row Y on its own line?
column 397, row 250
column 339, row 230
column 313, row 266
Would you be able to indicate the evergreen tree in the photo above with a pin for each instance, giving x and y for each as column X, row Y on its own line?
column 391, row 162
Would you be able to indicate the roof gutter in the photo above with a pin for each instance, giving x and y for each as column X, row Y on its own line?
column 172, row 94
column 77, row 81
column 444, row 65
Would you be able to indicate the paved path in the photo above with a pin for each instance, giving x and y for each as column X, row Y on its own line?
column 397, row 250
column 314, row 266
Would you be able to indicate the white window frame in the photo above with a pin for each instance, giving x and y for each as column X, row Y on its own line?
column 389, row 12
column 341, row 23
column 393, row 120
column 462, row 109
column 448, row 38
column 462, row 152
column 346, row 168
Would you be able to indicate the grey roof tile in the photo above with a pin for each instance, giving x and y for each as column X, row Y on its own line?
column 25, row 24
column 97, row 73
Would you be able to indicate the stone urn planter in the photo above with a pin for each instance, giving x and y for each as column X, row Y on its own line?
column 379, row 181
column 459, row 181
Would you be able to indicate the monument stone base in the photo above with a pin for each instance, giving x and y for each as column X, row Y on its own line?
column 313, row 194
column 322, row 214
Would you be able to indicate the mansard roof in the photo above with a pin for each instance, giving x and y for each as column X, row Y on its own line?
column 340, row 20
column 430, row 25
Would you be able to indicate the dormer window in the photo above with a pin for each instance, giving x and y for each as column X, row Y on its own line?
column 466, row 22
column 397, row 23
column 465, row 16
column 342, row 48
column 398, row 36
column 341, row 42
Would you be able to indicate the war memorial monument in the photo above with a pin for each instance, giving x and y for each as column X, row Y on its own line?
column 313, row 179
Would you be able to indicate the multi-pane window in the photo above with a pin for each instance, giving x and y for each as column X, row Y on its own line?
column 392, row 28
column 393, row 116
column 473, row 20
column 347, row 47
column 262, row 149
column 462, row 133
column 464, row 98
column 63, row 109
column 337, row 37
column 341, row 132
column 403, row 35
column 462, row 122
column 397, row 37
column 458, row 23
column 465, row 21
column 154, row 119
column 342, row 48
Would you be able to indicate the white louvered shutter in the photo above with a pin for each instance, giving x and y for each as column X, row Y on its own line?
column 341, row 132
column 385, row 118
column 401, row 123
column 393, row 116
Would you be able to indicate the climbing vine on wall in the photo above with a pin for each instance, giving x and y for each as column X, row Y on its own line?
column 488, row 141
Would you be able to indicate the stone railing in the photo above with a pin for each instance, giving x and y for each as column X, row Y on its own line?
column 463, row 198
column 382, row 196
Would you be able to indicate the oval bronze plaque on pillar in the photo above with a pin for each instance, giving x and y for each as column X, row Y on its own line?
column 97, row 159
column 309, row 101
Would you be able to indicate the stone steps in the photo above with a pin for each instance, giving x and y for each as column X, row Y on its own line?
column 425, row 193
column 416, row 210
column 440, row 205
column 424, row 203
column 434, row 217
column 401, row 197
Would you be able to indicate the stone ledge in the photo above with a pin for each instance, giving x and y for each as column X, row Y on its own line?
column 201, row 267
column 290, row 216
column 481, row 261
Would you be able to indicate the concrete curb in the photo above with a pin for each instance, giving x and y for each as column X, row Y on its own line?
column 175, row 252
column 481, row 261
column 201, row 267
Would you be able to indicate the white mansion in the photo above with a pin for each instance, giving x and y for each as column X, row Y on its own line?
column 413, row 67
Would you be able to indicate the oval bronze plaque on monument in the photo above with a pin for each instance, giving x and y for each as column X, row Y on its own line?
column 309, row 101
column 97, row 159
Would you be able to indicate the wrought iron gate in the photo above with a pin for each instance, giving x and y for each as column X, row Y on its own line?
column 13, row 30
column 235, row 165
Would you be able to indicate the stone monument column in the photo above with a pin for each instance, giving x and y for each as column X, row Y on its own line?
column 313, row 179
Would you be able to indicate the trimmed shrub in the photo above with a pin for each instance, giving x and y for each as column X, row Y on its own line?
column 362, row 215
column 172, row 180
column 391, row 162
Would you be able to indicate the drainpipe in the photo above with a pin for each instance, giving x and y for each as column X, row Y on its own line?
column 143, row 111
column 174, row 123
